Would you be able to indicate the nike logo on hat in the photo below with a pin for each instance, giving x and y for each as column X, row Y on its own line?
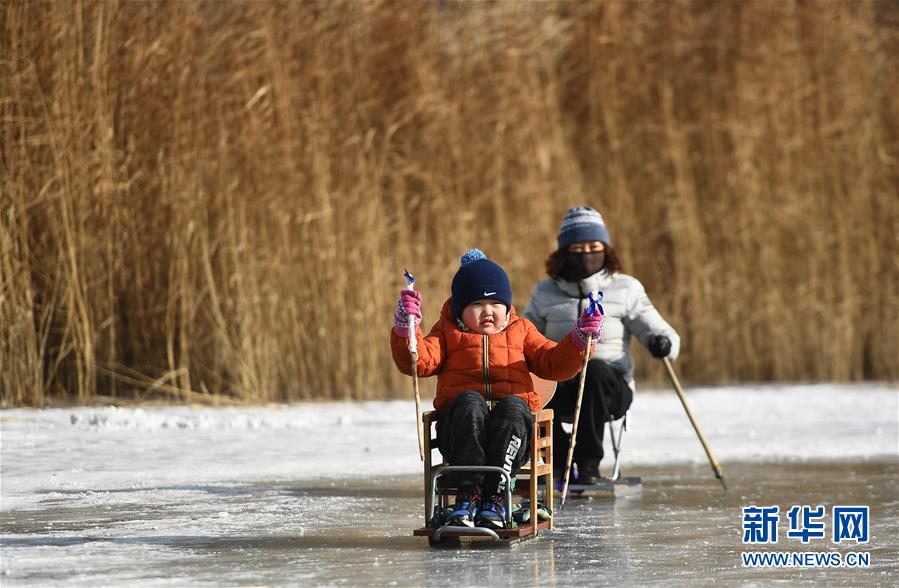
column 489, row 293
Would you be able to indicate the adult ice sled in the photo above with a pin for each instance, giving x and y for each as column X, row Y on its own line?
column 538, row 471
column 615, row 484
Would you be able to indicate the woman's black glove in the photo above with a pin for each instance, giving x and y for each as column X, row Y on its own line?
column 659, row 346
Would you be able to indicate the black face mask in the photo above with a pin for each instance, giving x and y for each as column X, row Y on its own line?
column 582, row 265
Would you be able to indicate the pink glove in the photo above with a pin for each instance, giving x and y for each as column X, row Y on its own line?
column 408, row 305
column 588, row 324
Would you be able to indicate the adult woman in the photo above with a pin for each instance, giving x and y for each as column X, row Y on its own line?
column 584, row 262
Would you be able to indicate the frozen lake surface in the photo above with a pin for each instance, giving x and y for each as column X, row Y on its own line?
column 328, row 494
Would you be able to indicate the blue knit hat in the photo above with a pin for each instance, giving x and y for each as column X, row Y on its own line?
column 582, row 223
column 479, row 278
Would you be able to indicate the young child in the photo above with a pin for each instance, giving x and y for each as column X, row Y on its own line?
column 482, row 353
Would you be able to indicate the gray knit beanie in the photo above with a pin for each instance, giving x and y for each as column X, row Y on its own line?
column 582, row 223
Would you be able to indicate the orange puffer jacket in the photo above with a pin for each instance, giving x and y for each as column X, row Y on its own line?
column 458, row 359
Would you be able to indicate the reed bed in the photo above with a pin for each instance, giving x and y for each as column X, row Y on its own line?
column 214, row 201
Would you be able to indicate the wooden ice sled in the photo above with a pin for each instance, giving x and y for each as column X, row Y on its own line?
column 538, row 471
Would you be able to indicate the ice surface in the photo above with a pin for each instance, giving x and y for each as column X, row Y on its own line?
column 168, row 496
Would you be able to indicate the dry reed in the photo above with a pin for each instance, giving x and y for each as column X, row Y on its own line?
column 215, row 201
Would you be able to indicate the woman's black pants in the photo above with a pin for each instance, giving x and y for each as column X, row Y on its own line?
column 606, row 398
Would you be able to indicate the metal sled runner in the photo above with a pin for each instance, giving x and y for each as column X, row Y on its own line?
column 537, row 471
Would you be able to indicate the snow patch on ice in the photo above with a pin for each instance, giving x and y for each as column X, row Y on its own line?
column 93, row 453
column 293, row 418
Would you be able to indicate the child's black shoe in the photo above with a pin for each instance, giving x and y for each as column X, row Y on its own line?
column 465, row 510
column 492, row 514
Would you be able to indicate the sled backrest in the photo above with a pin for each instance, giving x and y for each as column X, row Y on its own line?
column 544, row 388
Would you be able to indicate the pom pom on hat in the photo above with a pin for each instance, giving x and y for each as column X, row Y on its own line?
column 478, row 278
column 471, row 255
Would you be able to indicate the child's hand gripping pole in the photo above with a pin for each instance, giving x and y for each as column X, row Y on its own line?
column 593, row 308
column 413, row 341
column 413, row 352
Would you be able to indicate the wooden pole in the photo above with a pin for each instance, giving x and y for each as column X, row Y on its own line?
column 716, row 467
column 413, row 352
column 577, row 416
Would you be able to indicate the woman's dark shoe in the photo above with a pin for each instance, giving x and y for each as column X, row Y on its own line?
column 588, row 472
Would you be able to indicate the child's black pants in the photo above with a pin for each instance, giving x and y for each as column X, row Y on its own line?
column 468, row 433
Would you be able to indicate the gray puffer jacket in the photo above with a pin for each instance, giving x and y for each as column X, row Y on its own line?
column 556, row 304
